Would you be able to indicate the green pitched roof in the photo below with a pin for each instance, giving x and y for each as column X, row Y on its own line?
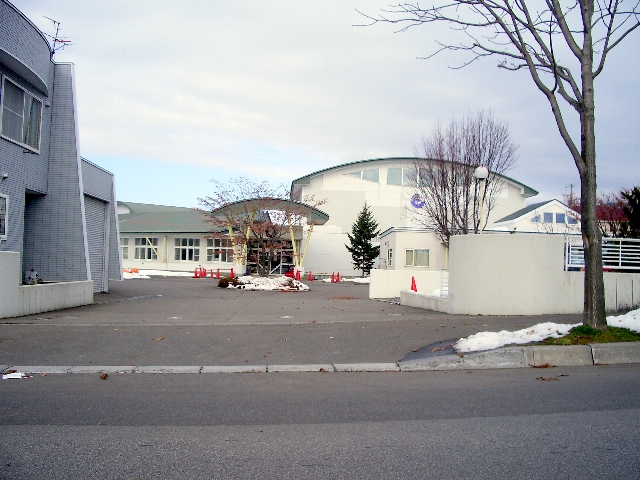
column 147, row 218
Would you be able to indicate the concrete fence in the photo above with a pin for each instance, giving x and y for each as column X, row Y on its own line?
column 17, row 300
column 516, row 275
column 389, row 283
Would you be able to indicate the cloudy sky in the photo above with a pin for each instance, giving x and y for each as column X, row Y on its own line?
column 174, row 94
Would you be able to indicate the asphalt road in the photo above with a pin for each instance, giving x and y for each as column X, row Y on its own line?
column 483, row 424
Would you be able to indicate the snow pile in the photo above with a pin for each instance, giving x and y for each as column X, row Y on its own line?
column 128, row 274
column 283, row 284
column 354, row 280
column 630, row 320
column 537, row 333
column 358, row 280
column 490, row 340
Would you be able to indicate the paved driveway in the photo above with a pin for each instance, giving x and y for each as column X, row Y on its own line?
column 185, row 321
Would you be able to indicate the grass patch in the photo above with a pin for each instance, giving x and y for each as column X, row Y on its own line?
column 584, row 334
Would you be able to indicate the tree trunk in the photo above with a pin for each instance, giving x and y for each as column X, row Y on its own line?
column 594, row 307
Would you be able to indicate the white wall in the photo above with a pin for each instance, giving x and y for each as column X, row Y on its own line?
column 389, row 283
column 523, row 275
column 399, row 241
column 327, row 252
column 17, row 300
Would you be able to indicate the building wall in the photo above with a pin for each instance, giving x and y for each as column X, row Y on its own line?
column 398, row 241
column 60, row 250
column 21, row 43
column 344, row 196
column 46, row 222
column 525, row 223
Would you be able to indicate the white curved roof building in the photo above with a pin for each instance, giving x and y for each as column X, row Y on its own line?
column 383, row 184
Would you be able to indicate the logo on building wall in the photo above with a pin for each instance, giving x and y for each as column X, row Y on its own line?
column 416, row 201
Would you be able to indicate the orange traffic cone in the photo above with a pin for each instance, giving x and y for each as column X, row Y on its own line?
column 195, row 273
column 310, row 278
column 413, row 284
column 333, row 278
column 217, row 273
column 338, row 278
column 297, row 274
column 231, row 274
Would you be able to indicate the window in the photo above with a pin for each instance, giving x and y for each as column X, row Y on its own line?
column 187, row 249
column 416, row 258
column 572, row 221
column 21, row 115
column 219, row 250
column 371, row 175
column 145, row 248
column 535, row 219
column 560, row 217
column 3, row 216
column 410, row 176
column 394, row 176
column 124, row 247
column 390, row 257
column 548, row 217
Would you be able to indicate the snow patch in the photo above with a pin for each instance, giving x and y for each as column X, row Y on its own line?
column 269, row 283
column 490, row 340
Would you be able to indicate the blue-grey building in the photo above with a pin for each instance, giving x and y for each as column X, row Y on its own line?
column 56, row 208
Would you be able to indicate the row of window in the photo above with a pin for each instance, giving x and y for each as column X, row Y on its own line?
column 21, row 115
column 413, row 257
column 185, row 249
column 548, row 217
column 395, row 175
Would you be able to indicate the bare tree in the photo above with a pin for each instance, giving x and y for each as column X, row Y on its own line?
column 449, row 193
column 563, row 46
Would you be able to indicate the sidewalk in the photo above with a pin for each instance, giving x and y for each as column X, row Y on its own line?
column 184, row 324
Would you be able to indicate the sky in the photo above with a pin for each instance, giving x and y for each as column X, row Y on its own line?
column 172, row 95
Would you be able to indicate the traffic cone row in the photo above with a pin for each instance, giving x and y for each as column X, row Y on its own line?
column 335, row 278
column 413, row 284
column 200, row 272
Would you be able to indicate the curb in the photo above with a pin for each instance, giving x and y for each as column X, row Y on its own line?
column 508, row 357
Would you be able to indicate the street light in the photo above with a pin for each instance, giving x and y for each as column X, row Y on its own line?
column 481, row 174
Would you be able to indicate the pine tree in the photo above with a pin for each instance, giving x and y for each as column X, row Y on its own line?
column 631, row 210
column 363, row 253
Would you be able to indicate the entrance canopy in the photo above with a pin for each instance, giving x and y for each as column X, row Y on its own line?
column 250, row 212
column 255, row 205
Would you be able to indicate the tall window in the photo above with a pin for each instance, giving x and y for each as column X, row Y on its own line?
column 21, row 115
column 394, row 176
column 390, row 257
column 416, row 258
column 145, row 248
column 219, row 250
column 3, row 216
column 187, row 249
column 548, row 217
column 124, row 247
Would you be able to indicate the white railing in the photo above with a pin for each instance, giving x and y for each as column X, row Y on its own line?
column 617, row 253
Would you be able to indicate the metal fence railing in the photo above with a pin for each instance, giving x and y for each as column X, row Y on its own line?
column 617, row 253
